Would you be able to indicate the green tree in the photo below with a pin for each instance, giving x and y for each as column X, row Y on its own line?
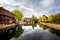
column 44, row 18
column 58, row 18
column 51, row 18
column 18, row 14
column 39, row 19
column 34, row 21
column 54, row 18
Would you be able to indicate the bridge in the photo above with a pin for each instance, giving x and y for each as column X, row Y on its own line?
column 52, row 25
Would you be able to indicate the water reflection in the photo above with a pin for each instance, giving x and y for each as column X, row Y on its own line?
column 18, row 31
column 34, row 25
column 43, row 27
column 53, row 31
column 40, row 32
column 27, row 28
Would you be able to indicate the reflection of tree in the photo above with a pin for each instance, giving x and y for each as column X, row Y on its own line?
column 43, row 26
column 33, row 25
column 39, row 24
column 18, row 31
column 54, row 31
column 11, row 33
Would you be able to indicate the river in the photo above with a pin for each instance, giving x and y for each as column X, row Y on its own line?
column 38, row 32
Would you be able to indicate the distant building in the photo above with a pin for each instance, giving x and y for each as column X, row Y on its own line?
column 27, row 21
column 6, row 16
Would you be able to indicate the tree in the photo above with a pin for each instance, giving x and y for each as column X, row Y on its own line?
column 50, row 18
column 54, row 18
column 39, row 19
column 44, row 18
column 58, row 18
column 18, row 14
column 34, row 21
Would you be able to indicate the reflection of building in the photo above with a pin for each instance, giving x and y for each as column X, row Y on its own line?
column 6, row 16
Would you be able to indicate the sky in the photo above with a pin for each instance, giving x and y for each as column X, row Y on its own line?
column 32, row 7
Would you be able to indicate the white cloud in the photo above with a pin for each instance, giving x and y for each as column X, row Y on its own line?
column 4, row 2
column 46, row 3
column 24, row 7
column 39, row 14
column 20, row 4
column 29, row 9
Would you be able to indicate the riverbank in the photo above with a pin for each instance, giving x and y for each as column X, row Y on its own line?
column 3, row 26
column 52, row 25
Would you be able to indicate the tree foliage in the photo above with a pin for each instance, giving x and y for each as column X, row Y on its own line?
column 50, row 18
column 18, row 14
column 54, row 18
column 57, row 18
column 39, row 19
column 44, row 18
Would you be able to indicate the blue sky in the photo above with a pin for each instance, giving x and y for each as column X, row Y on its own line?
column 30, row 7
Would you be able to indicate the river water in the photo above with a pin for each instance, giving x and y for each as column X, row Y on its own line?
column 37, row 33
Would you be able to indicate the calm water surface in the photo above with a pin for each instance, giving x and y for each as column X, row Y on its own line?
column 38, row 33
